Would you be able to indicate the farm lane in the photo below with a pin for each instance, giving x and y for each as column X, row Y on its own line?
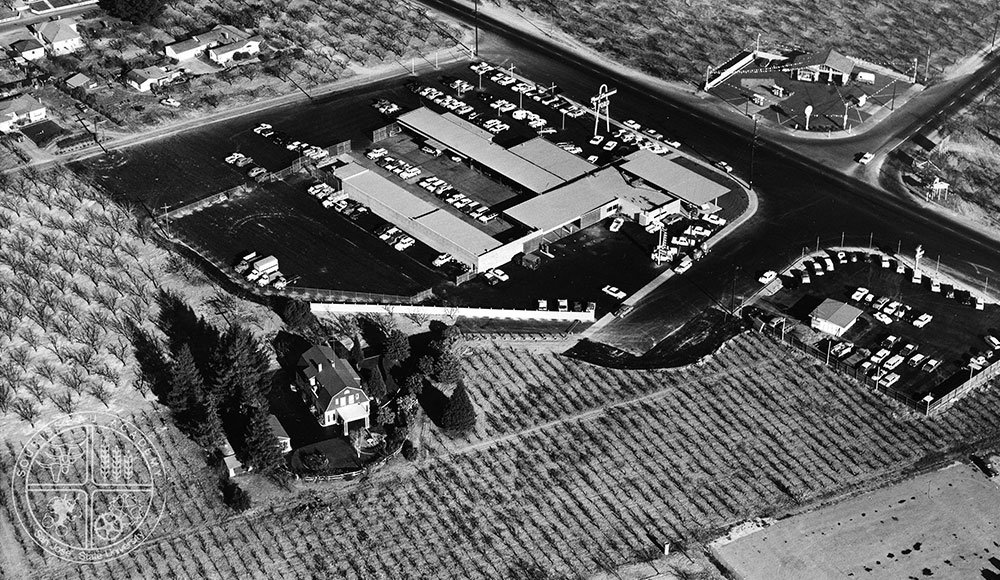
column 591, row 413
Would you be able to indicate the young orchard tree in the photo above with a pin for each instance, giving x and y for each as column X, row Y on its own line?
column 26, row 410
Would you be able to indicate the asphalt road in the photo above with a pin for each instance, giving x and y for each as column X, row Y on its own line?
column 804, row 190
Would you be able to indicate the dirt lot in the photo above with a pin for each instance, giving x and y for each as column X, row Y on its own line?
column 944, row 524
column 955, row 333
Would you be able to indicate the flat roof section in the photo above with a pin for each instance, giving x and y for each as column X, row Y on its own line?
column 567, row 203
column 551, row 158
column 673, row 178
column 383, row 190
column 459, row 232
column 468, row 140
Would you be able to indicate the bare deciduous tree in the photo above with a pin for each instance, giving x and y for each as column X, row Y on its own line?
column 26, row 410
column 65, row 402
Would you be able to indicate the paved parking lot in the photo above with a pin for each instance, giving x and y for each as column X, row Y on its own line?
column 955, row 333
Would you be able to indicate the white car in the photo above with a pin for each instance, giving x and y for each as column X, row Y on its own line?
column 543, row 304
column 866, row 158
column 883, row 318
column 654, row 226
column 697, row 231
column 632, row 125
column 597, row 140
column 234, row 158
column 681, row 241
column 500, row 275
column 859, row 294
column 610, row 145
column 441, row 260
column 617, row 224
column 684, row 266
column 724, row 166
column 713, row 219
column 261, row 128
column 171, row 102
column 613, row 292
column 922, row 320
column 768, row 277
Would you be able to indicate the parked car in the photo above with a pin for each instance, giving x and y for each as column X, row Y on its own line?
column 859, row 294
column 563, row 305
column 617, row 224
column 614, row 292
column 500, row 275
column 543, row 304
column 441, row 260
column 884, row 319
column 724, row 166
column 922, row 320
column 866, row 158
column 768, row 277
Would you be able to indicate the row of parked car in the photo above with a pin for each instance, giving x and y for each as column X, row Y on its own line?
column 398, row 167
column 387, row 107
column 256, row 172
column 885, row 308
column 563, row 305
column 882, row 365
column 395, row 237
column 470, row 207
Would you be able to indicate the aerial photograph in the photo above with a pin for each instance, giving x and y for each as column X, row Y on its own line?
column 496, row 289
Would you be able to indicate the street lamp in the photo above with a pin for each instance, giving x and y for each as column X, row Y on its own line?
column 477, row 31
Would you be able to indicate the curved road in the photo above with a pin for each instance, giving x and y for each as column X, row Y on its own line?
column 804, row 192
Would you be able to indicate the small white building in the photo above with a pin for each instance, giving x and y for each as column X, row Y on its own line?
column 234, row 467
column 58, row 36
column 28, row 49
column 226, row 53
column 834, row 317
column 284, row 441
column 144, row 79
column 228, row 41
column 333, row 387
column 20, row 110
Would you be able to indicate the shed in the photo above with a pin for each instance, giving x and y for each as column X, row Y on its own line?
column 834, row 317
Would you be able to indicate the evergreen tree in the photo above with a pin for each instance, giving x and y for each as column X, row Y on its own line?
column 460, row 415
column 260, row 447
column 187, row 389
column 135, row 11
column 211, row 433
column 376, row 385
column 242, row 377
column 448, row 368
column 426, row 365
column 397, row 346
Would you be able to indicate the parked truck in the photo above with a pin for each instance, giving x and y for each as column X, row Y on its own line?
column 261, row 267
column 245, row 261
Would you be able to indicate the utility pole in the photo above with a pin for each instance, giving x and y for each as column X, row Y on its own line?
column 753, row 149
column 892, row 105
column 927, row 65
column 732, row 301
column 477, row 36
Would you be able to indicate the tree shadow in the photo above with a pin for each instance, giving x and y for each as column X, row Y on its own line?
column 434, row 403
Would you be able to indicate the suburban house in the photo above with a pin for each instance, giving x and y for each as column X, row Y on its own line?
column 20, row 110
column 28, row 49
column 284, row 441
column 80, row 80
column 225, row 39
column 834, row 317
column 821, row 67
column 58, row 36
column 144, row 79
column 332, row 386
column 226, row 53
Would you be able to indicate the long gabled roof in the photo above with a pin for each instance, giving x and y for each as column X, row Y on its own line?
column 57, row 31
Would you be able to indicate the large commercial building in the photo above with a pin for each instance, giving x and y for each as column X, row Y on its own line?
column 566, row 192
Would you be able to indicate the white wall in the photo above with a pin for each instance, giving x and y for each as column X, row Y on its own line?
column 322, row 307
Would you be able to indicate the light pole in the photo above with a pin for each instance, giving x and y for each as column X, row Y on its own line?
column 477, row 33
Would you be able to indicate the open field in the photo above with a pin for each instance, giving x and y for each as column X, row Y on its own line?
column 679, row 40
column 572, row 469
column 967, row 159
column 942, row 524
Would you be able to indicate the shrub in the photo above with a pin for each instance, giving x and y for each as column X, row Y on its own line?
column 235, row 496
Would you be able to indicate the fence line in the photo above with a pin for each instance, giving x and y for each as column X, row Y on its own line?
column 456, row 311
column 926, row 406
column 321, row 295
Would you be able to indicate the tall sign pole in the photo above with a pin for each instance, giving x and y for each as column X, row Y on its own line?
column 601, row 104
column 808, row 112
column 477, row 29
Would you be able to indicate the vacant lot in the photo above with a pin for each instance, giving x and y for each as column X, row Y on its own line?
column 573, row 468
column 678, row 39
column 943, row 524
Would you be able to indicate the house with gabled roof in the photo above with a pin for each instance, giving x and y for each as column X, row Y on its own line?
column 58, row 36
column 827, row 66
column 284, row 441
column 226, row 53
column 333, row 388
